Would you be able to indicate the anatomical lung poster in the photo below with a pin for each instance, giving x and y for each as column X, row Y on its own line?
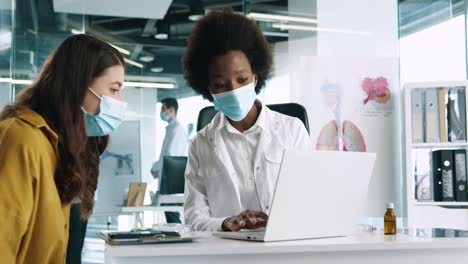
column 352, row 106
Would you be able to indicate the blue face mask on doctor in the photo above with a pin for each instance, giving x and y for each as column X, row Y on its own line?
column 110, row 116
column 237, row 103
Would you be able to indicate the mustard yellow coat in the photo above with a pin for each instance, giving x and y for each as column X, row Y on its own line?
column 33, row 223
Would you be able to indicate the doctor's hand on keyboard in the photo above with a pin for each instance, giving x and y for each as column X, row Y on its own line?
column 246, row 220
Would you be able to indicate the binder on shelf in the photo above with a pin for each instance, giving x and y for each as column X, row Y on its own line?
column 431, row 110
column 462, row 108
column 461, row 192
column 442, row 164
column 422, row 174
column 442, row 94
column 417, row 101
column 456, row 127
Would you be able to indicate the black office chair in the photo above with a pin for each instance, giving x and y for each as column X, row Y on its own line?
column 172, row 182
column 291, row 109
column 173, row 175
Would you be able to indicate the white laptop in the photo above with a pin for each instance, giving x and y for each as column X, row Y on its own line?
column 318, row 194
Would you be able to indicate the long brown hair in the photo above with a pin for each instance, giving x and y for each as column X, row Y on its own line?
column 57, row 96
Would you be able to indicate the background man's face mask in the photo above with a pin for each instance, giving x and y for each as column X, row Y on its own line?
column 164, row 116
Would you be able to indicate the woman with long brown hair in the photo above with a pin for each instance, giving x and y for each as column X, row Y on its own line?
column 51, row 138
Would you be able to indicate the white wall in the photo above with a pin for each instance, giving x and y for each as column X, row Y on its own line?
column 278, row 88
column 142, row 106
column 434, row 54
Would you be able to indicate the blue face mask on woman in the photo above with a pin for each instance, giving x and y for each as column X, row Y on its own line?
column 237, row 103
column 111, row 115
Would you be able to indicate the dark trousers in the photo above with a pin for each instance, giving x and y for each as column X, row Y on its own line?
column 76, row 235
column 172, row 217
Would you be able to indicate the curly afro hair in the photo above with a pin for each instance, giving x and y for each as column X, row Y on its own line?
column 218, row 33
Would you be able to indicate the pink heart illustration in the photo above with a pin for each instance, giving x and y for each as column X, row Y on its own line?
column 376, row 90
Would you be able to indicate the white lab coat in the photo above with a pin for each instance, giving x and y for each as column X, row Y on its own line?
column 174, row 143
column 211, row 187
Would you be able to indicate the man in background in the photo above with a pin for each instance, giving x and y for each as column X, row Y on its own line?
column 174, row 144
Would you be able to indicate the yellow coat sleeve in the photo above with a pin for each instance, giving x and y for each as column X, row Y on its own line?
column 18, row 171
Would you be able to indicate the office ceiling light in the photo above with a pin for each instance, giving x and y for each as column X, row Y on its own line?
column 76, row 31
column 157, row 69
column 147, row 9
column 121, row 50
column 6, row 80
column 150, row 85
column 271, row 17
column 26, row 82
column 147, row 58
column 162, row 36
column 195, row 17
column 318, row 29
column 134, row 63
column 15, row 81
column 5, row 40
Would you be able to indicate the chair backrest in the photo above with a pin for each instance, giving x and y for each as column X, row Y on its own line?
column 291, row 109
column 172, row 176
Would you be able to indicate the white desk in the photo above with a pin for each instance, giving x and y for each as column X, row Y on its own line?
column 359, row 249
column 138, row 210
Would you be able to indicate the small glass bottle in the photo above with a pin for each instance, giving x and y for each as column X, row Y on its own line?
column 390, row 220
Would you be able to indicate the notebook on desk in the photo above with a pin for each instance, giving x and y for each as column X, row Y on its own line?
column 318, row 194
column 141, row 237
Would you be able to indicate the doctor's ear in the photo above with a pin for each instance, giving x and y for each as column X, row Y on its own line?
column 255, row 77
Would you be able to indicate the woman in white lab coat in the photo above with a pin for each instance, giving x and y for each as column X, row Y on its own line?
column 234, row 161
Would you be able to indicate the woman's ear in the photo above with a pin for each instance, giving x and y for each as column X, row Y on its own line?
column 255, row 80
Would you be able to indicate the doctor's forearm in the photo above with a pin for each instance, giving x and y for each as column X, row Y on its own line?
column 207, row 224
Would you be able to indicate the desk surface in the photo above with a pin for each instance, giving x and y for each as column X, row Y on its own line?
column 136, row 209
column 207, row 245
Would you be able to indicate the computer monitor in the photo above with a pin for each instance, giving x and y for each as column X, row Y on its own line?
column 173, row 175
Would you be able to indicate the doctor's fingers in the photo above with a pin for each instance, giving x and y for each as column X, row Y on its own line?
column 260, row 214
column 260, row 224
column 235, row 223
column 254, row 216
column 249, row 217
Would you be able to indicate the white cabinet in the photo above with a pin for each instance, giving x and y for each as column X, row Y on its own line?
column 422, row 210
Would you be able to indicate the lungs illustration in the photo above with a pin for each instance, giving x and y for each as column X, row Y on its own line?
column 352, row 138
column 329, row 136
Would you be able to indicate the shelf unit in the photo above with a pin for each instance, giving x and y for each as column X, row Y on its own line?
column 443, row 204
column 429, row 213
column 450, row 145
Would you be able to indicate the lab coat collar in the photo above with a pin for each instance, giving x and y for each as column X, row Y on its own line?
column 259, row 123
column 172, row 123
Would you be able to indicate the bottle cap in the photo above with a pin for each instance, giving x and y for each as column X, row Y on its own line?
column 390, row 206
